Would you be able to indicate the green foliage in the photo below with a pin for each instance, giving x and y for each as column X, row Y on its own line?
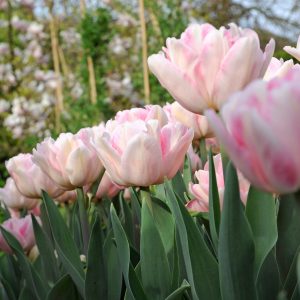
column 152, row 248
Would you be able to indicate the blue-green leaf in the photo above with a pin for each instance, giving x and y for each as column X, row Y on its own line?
column 64, row 243
column 46, row 251
column 261, row 214
column 132, row 282
column 64, row 288
column 155, row 269
column 177, row 294
column 214, row 203
column 288, row 234
column 96, row 280
column 36, row 285
column 236, row 246
column 200, row 265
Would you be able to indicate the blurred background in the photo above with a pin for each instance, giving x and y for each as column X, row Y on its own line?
column 68, row 64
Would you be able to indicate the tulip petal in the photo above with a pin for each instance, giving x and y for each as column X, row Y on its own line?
column 235, row 70
column 210, row 58
column 142, row 161
column 269, row 51
column 110, row 159
column 182, row 88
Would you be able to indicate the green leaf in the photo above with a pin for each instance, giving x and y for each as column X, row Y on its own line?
column 214, row 203
column 10, row 271
column 46, row 251
column 8, row 289
column 187, row 171
column 261, row 214
column 36, row 285
column 75, row 227
column 65, row 245
column 128, row 219
column 26, row 294
column 96, row 280
column 288, row 233
column 298, row 271
column 203, row 151
column 200, row 265
column 64, row 288
column 165, row 224
column 179, row 187
column 114, row 272
column 155, row 269
column 136, row 205
column 177, row 294
column 84, row 224
column 291, row 279
column 132, row 282
column 268, row 281
column 236, row 245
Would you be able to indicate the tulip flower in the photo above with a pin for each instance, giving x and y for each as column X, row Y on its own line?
column 201, row 190
column 29, row 178
column 194, row 158
column 69, row 160
column 142, row 153
column 22, row 230
column 206, row 65
column 145, row 114
column 279, row 67
column 295, row 52
column 198, row 122
column 66, row 197
column 13, row 199
column 107, row 188
column 260, row 132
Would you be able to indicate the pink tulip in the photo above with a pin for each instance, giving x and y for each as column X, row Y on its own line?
column 13, row 199
column 107, row 188
column 29, row 178
column 22, row 230
column 205, row 66
column 201, row 190
column 67, row 197
column 194, row 159
column 295, row 52
column 69, row 160
column 213, row 145
column 261, row 132
column 142, row 153
column 279, row 67
column 197, row 122
column 150, row 112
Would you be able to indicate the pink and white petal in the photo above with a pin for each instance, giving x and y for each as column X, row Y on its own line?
column 295, row 52
column 110, row 159
column 141, row 161
column 211, row 56
column 197, row 206
column 181, row 55
column 235, row 70
column 182, row 88
column 268, row 54
column 173, row 157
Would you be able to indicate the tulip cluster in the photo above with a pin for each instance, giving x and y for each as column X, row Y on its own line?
column 207, row 70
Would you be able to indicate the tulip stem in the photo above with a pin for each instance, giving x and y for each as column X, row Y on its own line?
column 83, row 219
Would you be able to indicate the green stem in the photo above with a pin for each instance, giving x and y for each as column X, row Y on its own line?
column 85, row 230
